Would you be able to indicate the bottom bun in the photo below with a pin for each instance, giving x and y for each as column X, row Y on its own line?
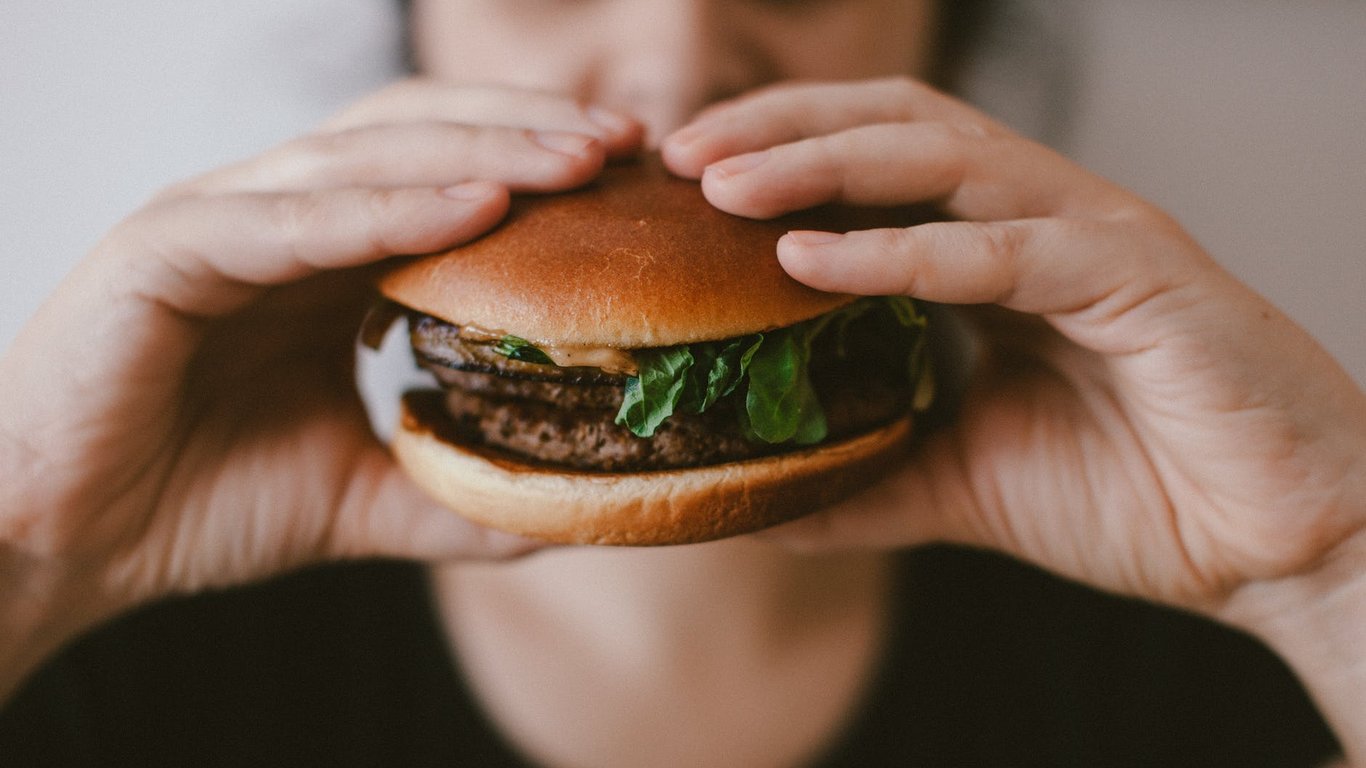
column 677, row 506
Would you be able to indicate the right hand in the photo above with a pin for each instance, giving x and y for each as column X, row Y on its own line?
column 181, row 412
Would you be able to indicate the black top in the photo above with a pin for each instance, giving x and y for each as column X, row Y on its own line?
column 993, row 664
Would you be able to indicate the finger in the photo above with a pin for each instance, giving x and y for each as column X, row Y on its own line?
column 137, row 308
column 927, row 501
column 971, row 175
column 387, row 516
column 786, row 113
column 204, row 257
column 411, row 155
column 1107, row 285
column 420, row 100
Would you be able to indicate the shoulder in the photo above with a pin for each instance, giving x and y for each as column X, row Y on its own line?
column 328, row 658
column 996, row 662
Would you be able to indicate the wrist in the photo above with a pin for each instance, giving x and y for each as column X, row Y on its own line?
column 42, row 608
column 50, row 592
column 1316, row 622
column 45, row 599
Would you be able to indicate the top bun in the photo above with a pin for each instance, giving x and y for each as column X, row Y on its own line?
column 636, row 259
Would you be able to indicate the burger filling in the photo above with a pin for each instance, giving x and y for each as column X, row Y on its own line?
column 835, row 376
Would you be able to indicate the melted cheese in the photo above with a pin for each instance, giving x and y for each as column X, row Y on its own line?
column 609, row 359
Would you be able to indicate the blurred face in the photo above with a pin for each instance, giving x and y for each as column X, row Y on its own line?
column 662, row 60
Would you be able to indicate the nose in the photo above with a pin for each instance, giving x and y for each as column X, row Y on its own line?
column 675, row 57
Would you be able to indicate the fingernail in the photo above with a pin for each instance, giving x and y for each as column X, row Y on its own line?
column 608, row 121
column 739, row 164
column 813, row 238
column 572, row 144
column 471, row 190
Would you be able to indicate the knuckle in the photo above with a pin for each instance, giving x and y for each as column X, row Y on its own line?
column 479, row 100
column 831, row 160
column 379, row 220
column 301, row 161
column 946, row 152
column 1004, row 244
column 824, row 153
column 1003, row 241
column 898, row 247
column 296, row 217
column 139, row 233
column 968, row 130
column 942, row 135
column 396, row 221
column 382, row 202
column 582, row 113
column 905, row 90
column 750, row 201
column 771, row 97
column 369, row 107
column 314, row 149
column 541, row 159
column 1129, row 210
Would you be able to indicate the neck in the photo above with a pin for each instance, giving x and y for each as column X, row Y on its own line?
column 690, row 629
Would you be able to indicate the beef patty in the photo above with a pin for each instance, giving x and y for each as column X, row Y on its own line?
column 566, row 416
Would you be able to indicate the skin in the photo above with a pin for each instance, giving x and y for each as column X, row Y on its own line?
column 158, row 453
column 1139, row 420
column 664, row 61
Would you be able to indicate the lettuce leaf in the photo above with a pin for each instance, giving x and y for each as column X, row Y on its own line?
column 770, row 373
column 653, row 395
column 918, row 359
column 727, row 369
column 781, row 404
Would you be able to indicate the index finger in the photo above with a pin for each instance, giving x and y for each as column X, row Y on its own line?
column 789, row 112
column 164, row 272
column 206, row 256
column 419, row 100
column 970, row 175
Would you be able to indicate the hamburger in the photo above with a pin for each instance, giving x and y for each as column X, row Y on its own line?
column 625, row 364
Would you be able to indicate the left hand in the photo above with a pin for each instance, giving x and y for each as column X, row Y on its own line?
column 182, row 412
column 1141, row 422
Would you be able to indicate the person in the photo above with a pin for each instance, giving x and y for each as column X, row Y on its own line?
column 180, row 417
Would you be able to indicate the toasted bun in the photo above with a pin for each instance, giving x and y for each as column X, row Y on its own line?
column 637, row 259
column 641, row 508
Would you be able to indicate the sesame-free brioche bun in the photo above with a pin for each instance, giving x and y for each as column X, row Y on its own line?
column 680, row 506
column 638, row 258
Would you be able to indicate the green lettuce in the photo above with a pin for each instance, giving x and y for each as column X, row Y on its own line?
column 769, row 371
column 780, row 404
column 654, row 394
column 683, row 379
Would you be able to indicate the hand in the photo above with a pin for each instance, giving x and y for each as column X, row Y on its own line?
column 181, row 412
column 1140, row 420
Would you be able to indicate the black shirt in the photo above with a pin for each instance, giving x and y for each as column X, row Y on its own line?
column 992, row 664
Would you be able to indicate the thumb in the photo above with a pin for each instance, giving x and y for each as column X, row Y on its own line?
column 396, row 519
column 924, row 501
